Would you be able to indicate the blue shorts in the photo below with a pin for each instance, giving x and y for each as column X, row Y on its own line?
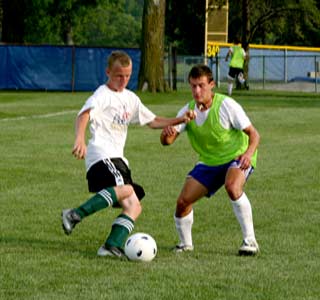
column 213, row 177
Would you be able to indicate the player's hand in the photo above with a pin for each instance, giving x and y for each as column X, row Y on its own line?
column 168, row 131
column 244, row 161
column 168, row 135
column 189, row 116
column 79, row 150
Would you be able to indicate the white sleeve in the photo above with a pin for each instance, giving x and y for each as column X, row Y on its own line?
column 232, row 115
column 181, row 127
column 142, row 115
column 93, row 102
column 89, row 104
column 145, row 115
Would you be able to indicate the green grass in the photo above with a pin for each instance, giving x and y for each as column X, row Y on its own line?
column 39, row 177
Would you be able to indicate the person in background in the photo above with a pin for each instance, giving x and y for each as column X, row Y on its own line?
column 238, row 56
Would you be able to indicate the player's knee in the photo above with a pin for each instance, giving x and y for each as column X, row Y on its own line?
column 233, row 189
column 124, row 191
column 131, row 206
column 184, row 206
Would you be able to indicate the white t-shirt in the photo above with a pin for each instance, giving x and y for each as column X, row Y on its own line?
column 231, row 115
column 110, row 114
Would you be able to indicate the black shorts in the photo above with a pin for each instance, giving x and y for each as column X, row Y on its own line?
column 234, row 72
column 111, row 172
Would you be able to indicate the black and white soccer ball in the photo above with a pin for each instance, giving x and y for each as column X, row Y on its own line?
column 140, row 247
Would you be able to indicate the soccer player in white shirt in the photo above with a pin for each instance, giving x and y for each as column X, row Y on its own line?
column 110, row 110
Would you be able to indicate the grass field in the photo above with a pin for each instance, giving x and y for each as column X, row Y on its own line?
column 39, row 177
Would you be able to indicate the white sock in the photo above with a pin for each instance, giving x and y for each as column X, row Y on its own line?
column 230, row 85
column 184, row 226
column 242, row 210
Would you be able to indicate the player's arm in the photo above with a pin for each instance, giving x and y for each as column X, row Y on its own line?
column 254, row 139
column 80, row 149
column 168, row 135
column 160, row 122
column 228, row 54
column 245, row 55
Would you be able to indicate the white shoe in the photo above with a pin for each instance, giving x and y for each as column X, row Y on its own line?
column 182, row 248
column 69, row 220
column 249, row 247
column 111, row 251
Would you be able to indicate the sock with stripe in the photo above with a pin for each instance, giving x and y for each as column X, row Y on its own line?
column 121, row 228
column 105, row 198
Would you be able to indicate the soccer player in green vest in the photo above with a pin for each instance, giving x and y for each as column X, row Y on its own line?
column 226, row 142
column 238, row 55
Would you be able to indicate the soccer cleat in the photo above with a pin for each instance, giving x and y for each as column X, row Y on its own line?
column 182, row 248
column 111, row 251
column 249, row 247
column 69, row 220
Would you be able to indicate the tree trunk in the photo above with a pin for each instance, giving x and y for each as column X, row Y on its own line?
column 151, row 75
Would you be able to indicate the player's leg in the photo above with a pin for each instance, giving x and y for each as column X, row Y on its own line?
column 231, row 77
column 128, row 195
column 234, row 183
column 124, row 223
column 191, row 192
column 105, row 198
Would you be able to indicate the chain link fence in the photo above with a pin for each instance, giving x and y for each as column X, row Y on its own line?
column 272, row 72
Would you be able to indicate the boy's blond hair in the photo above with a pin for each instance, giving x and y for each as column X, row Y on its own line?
column 119, row 56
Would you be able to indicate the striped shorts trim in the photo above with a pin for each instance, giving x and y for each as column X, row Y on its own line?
column 116, row 173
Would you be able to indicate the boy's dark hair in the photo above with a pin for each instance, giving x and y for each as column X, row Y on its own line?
column 200, row 70
column 236, row 40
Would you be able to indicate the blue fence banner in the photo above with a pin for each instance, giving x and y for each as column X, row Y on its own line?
column 58, row 68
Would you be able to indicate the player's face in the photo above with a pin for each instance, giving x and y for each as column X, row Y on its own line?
column 201, row 89
column 119, row 77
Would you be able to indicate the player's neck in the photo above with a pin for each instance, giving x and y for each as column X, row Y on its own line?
column 207, row 105
column 113, row 88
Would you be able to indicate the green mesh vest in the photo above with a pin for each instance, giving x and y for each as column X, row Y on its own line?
column 237, row 58
column 214, row 144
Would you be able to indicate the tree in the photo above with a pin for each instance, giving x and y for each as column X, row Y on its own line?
column 185, row 25
column 1, row 18
column 151, row 75
column 13, row 13
column 113, row 23
column 56, row 18
column 277, row 22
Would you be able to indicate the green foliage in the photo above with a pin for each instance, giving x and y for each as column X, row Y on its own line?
column 39, row 177
column 108, row 25
column 278, row 22
column 185, row 25
column 116, row 23
column 84, row 22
